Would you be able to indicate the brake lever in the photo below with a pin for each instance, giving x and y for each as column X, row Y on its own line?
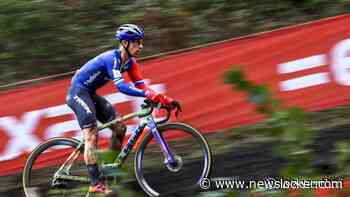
column 146, row 103
column 168, row 113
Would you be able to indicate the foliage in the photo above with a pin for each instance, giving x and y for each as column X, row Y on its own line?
column 342, row 159
column 286, row 124
column 41, row 37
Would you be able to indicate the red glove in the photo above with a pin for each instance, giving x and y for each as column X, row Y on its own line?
column 174, row 105
column 152, row 95
column 164, row 100
column 158, row 98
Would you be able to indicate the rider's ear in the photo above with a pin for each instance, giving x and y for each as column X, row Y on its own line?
column 124, row 43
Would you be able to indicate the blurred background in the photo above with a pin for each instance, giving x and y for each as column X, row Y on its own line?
column 59, row 36
column 267, row 130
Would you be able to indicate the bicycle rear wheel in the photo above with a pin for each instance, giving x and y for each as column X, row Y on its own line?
column 190, row 150
column 43, row 163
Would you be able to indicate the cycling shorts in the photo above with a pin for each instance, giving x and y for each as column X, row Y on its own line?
column 89, row 107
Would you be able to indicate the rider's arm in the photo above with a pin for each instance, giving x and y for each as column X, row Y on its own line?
column 136, row 77
column 122, row 86
column 129, row 90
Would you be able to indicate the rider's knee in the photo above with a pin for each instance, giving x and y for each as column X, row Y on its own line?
column 90, row 135
column 119, row 128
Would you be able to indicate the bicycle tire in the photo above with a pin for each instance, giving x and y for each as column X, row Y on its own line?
column 28, row 168
column 162, row 129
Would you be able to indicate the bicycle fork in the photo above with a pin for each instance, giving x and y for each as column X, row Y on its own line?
column 169, row 157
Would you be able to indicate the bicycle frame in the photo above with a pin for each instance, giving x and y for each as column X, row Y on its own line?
column 149, row 121
column 146, row 120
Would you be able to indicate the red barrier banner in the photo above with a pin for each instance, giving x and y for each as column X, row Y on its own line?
column 306, row 65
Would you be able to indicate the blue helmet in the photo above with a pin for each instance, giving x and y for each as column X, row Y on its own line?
column 129, row 32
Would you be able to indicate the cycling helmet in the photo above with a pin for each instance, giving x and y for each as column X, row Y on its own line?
column 129, row 32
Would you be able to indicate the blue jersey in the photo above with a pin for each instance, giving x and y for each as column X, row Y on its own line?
column 105, row 67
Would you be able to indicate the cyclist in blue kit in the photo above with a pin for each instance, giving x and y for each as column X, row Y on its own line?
column 90, row 107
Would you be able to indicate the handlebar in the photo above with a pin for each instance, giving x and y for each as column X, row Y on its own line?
column 150, row 105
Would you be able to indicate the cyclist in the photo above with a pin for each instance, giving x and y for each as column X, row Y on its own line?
column 89, row 107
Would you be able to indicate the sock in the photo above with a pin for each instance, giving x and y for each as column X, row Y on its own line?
column 94, row 173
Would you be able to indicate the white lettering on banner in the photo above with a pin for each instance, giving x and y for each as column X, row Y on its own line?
column 59, row 129
column 59, row 110
column 302, row 64
column 22, row 131
column 305, row 81
column 339, row 66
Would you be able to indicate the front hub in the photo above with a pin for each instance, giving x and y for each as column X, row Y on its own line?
column 175, row 167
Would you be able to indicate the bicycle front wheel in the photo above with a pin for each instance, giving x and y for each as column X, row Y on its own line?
column 191, row 151
column 46, row 160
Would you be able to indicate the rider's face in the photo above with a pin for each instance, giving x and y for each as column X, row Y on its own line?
column 135, row 47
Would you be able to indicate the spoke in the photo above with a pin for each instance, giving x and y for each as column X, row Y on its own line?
column 66, row 166
column 71, row 159
column 56, row 169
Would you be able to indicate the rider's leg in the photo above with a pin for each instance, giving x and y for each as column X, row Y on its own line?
column 91, row 137
column 105, row 112
column 118, row 135
column 81, row 102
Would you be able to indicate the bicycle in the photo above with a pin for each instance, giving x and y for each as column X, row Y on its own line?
column 172, row 138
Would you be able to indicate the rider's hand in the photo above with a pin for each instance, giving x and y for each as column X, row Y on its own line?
column 153, row 96
column 171, row 103
column 164, row 100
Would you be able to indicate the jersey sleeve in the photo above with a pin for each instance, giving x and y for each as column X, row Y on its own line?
column 118, row 80
column 113, row 71
column 135, row 76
